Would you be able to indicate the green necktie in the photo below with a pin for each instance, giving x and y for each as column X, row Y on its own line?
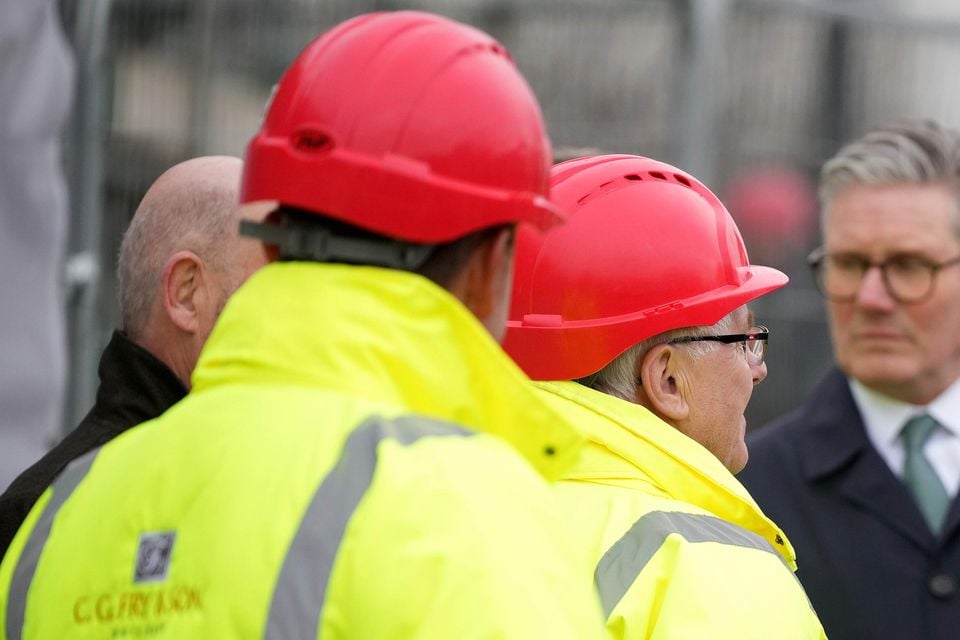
column 919, row 475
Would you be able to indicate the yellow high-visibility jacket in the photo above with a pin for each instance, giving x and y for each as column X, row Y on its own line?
column 681, row 551
column 357, row 459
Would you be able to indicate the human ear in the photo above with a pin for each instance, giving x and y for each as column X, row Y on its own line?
column 662, row 379
column 183, row 290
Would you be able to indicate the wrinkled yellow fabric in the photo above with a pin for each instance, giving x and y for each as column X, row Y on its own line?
column 455, row 537
column 637, row 466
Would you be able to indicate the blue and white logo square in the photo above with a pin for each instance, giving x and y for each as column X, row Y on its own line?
column 153, row 556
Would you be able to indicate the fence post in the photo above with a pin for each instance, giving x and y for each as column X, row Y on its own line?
column 201, row 76
column 87, row 137
column 705, row 23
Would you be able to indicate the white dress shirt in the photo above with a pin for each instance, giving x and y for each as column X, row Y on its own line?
column 884, row 417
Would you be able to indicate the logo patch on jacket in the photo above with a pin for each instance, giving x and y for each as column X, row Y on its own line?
column 153, row 556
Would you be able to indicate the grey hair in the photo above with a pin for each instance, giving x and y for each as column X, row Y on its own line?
column 198, row 217
column 619, row 377
column 907, row 151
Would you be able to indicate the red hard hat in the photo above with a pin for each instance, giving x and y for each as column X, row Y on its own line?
column 406, row 124
column 647, row 248
column 778, row 203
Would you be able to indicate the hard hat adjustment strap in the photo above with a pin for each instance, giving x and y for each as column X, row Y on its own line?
column 316, row 244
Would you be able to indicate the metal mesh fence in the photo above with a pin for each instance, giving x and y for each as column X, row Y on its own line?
column 723, row 88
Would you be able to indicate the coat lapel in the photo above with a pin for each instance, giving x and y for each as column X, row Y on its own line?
column 952, row 521
column 838, row 453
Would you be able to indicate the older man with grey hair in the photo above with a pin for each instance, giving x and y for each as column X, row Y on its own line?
column 633, row 319
column 864, row 475
column 180, row 260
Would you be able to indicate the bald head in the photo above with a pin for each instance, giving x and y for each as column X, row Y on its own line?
column 182, row 255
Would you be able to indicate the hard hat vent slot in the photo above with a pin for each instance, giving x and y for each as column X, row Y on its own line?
column 633, row 176
column 682, row 180
column 311, row 141
column 658, row 175
column 484, row 47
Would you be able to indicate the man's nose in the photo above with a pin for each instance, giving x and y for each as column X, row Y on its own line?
column 759, row 372
column 873, row 292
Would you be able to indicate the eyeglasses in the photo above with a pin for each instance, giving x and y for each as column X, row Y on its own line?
column 754, row 342
column 908, row 277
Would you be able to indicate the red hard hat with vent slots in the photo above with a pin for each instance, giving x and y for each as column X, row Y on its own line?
column 647, row 249
column 406, row 124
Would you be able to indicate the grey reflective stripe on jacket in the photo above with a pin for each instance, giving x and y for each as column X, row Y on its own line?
column 299, row 594
column 623, row 562
column 302, row 585
column 63, row 488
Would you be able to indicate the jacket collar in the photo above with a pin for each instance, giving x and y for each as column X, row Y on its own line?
column 675, row 464
column 386, row 336
column 135, row 386
column 834, row 450
column 824, row 449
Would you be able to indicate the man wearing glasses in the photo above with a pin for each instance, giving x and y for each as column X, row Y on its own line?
column 633, row 318
column 864, row 475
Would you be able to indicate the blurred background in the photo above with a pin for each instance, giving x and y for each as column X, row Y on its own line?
column 748, row 95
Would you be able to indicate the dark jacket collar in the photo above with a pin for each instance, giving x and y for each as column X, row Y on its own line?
column 824, row 448
column 135, row 386
column 835, row 450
